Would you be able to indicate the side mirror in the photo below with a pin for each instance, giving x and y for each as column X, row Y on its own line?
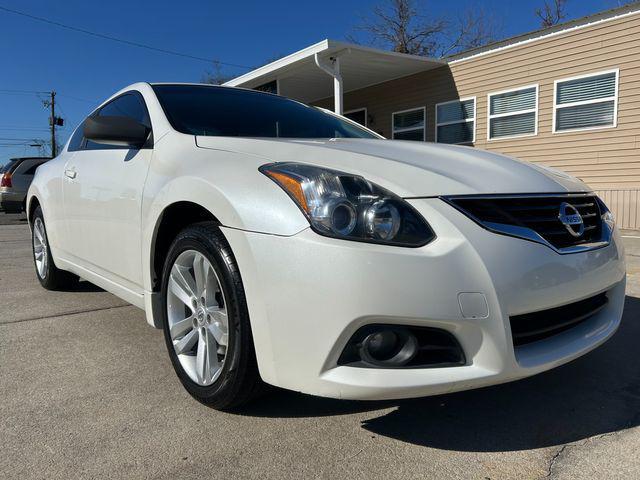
column 116, row 130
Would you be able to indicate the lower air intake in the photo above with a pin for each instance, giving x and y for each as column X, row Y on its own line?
column 536, row 326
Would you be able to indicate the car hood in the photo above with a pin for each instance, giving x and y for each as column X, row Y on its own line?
column 409, row 169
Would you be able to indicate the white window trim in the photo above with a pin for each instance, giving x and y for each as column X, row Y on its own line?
column 366, row 114
column 557, row 107
column 466, row 120
column 410, row 129
column 510, row 114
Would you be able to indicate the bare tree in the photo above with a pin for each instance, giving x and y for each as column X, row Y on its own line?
column 471, row 29
column 216, row 76
column 405, row 26
column 552, row 13
column 398, row 25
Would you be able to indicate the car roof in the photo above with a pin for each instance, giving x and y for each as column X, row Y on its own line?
column 212, row 85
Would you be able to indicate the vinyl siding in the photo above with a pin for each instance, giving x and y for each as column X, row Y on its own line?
column 607, row 159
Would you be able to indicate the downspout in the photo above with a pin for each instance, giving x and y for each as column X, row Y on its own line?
column 334, row 70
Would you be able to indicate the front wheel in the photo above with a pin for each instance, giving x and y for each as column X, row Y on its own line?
column 205, row 319
column 50, row 277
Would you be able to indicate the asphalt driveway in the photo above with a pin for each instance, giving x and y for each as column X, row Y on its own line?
column 87, row 391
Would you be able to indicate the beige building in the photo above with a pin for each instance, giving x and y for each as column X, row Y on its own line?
column 566, row 96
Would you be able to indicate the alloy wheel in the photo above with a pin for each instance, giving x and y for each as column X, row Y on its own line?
column 197, row 317
column 40, row 250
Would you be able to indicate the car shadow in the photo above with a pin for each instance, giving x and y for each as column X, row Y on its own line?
column 596, row 394
column 84, row 286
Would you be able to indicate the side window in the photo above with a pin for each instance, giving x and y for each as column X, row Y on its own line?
column 77, row 138
column 128, row 105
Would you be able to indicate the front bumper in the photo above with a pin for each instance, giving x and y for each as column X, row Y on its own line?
column 308, row 294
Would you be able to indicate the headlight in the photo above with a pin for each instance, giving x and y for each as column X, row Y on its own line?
column 607, row 217
column 347, row 206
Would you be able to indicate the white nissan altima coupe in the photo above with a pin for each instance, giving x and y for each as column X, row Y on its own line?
column 276, row 242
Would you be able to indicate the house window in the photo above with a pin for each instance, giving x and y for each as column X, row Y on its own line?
column 358, row 116
column 456, row 121
column 269, row 87
column 586, row 102
column 513, row 113
column 409, row 124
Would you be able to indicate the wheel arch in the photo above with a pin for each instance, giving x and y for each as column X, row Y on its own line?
column 32, row 202
column 173, row 218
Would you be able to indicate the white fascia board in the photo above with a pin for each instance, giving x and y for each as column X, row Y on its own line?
column 280, row 63
column 320, row 47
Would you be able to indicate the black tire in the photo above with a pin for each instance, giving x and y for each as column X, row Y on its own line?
column 239, row 381
column 52, row 278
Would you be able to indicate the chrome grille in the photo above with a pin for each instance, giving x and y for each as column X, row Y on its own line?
column 522, row 215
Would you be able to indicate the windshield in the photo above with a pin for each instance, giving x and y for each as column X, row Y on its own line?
column 229, row 112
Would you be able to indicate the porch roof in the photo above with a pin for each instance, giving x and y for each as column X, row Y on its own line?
column 300, row 76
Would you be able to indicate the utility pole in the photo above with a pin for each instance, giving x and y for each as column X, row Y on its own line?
column 53, row 124
column 53, row 121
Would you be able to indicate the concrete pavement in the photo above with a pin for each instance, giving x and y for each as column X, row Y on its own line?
column 87, row 391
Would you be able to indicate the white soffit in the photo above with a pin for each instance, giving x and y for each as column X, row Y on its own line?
column 300, row 78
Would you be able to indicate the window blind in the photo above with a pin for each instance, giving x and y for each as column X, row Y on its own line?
column 588, row 102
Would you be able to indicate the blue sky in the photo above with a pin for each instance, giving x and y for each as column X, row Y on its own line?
column 84, row 69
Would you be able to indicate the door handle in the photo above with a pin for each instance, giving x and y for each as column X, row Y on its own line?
column 70, row 173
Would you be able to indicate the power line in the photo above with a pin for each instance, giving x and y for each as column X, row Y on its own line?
column 7, row 90
column 38, row 93
column 16, row 139
column 18, row 94
column 120, row 40
column 94, row 102
column 24, row 129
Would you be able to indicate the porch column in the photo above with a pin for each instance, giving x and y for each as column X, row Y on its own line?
column 333, row 69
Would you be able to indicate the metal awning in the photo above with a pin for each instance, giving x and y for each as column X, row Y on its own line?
column 306, row 75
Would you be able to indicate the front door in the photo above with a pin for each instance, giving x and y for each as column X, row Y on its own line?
column 103, row 188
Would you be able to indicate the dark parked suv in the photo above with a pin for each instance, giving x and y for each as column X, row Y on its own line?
column 15, row 178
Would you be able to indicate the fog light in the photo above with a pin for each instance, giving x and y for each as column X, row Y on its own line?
column 401, row 346
column 382, row 345
column 392, row 347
